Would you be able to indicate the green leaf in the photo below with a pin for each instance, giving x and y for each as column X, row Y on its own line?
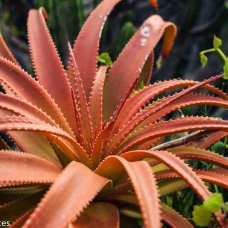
column 214, row 202
column 201, row 216
column 105, row 59
column 203, row 59
column 226, row 206
column 217, row 42
column 225, row 68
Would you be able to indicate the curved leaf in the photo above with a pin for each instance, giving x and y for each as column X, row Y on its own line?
column 48, row 66
column 86, row 45
column 209, row 176
column 171, row 127
column 15, row 167
column 33, row 143
column 5, row 51
column 136, row 102
column 134, row 122
column 30, row 90
column 187, row 100
column 14, row 123
column 211, row 139
column 23, row 108
column 67, row 197
column 135, row 53
column 175, row 164
column 188, row 152
column 143, row 182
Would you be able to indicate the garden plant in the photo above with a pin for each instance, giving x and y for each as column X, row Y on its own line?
column 94, row 145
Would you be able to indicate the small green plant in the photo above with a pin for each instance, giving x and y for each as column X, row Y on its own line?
column 217, row 43
column 202, row 214
column 105, row 59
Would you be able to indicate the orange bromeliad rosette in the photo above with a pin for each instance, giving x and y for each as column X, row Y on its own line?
column 85, row 138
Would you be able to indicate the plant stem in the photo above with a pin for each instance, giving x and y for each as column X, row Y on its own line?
column 180, row 141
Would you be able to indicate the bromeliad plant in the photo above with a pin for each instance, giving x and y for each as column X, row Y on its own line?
column 91, row 147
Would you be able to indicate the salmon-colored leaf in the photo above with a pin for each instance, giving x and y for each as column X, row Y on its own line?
column 30, row 90
column 18, row 168
column 67, row 198
column 211, row 139
column 5, row 51
column 135, row 54
column 86, row 45
column 188, row 152
column 129, row 125
column 14, row 123
column 208, row 176
column 173, row 126
column 175, row 164
column 21, row 107
column 34, row 143
column 187, row 100
column 80, row 104
column 143, row 182
column 96, row 100
column 48, row 66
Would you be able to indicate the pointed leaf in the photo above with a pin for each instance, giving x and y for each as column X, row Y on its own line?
column 217, row 42
column 48, row 66
column 187, row 100
column 30, row 90
column 23, row 108
column 86, row 45
column 80, row 103
column 143, row 183
column 134, row 122
column 213, row 138
column 96, row 99
column 175, row 164
column 208, row 176
column 15, row 167
column 5, row 51
column 67, row 197
column 34, row 143
column 200, row 154
column 135, row 53
column 174, row 126
column 14, row 123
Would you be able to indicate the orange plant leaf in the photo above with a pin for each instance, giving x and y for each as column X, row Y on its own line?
column 48, row 66
column 17, row 168
column 175, row 164
column 143, row 182
column 86, row 45
column 5, row 51
column 67, row 198
column 135, row 53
